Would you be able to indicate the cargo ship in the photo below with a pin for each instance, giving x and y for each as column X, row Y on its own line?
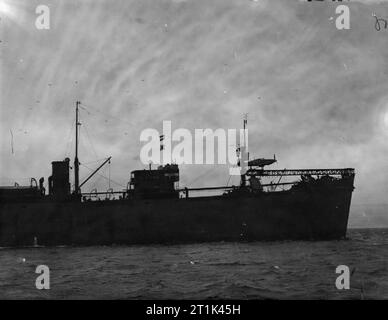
column 153, row 210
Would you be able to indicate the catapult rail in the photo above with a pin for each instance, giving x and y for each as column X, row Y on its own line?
column 234, row 187
column 96, row 194
column 299, row 172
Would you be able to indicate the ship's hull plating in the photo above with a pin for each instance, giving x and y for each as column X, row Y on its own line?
column 300, row 214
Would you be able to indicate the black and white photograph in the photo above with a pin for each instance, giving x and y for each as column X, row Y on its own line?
column 207, row 152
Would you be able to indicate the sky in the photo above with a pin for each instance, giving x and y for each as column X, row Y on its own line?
column 315, row 96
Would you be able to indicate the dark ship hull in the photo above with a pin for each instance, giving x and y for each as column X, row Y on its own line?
column 307, row 211
column 152, row 210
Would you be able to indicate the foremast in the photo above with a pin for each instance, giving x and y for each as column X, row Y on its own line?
column 76, row 161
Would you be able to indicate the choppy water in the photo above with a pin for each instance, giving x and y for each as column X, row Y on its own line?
column 261, row 270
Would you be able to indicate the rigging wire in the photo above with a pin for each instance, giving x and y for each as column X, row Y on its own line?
column 92, row 162
column 92, row 109
column 230, row 176
column 90, row 141
column 201, row 176
column 117, row 183
column 94, row 185
column 91, row 130
column 69, row 140
column 81, row 140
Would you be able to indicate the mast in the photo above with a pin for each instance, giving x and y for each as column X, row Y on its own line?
column 243, row 152
column 76, row 162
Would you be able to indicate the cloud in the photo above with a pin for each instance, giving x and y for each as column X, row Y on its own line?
column 316, row 96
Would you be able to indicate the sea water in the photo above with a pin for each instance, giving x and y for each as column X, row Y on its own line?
column 258, row 270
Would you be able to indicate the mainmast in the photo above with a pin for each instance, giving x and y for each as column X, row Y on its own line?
column 244, row 152
column 76, row 162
